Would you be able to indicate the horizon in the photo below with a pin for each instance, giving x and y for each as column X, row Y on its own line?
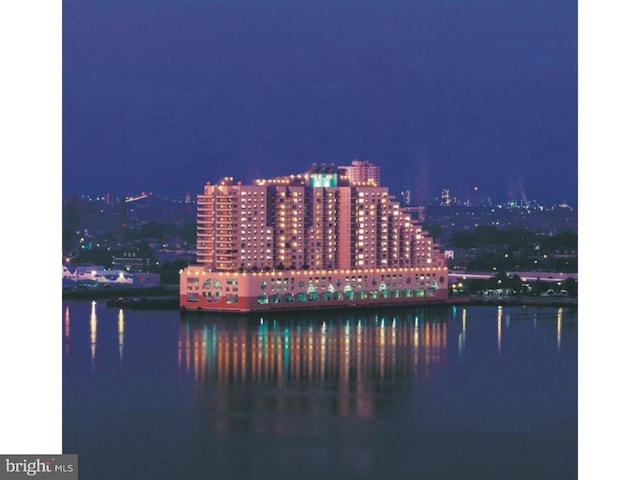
column 181, row 196
column 472, row 190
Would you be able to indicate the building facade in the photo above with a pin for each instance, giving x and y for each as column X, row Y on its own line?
column 363, row 172
column 327, row 219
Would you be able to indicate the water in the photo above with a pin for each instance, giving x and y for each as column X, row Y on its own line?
column 434, row 393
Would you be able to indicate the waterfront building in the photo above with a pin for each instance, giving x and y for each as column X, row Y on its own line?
column 328, row 236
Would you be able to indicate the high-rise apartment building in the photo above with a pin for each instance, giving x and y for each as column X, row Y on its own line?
column 328, row 219
column 363, row 172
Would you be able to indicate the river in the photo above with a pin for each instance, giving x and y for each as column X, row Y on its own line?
column 449, row 392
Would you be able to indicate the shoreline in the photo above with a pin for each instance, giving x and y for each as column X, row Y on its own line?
column 167, row 298
column 151, row 298
column 518, row 300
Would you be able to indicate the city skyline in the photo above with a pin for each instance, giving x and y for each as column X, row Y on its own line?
column 164, row 97
column 443, row 197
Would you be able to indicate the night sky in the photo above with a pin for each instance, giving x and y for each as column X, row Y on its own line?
column 164, row 95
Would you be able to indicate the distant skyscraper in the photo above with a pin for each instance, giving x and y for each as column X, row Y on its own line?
column 362, row 172
column 445, row 198
column 406, row 197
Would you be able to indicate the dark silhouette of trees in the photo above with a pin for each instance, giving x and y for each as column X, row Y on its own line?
column 95, row 256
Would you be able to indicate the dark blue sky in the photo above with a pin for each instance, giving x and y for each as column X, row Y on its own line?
column 164, row 95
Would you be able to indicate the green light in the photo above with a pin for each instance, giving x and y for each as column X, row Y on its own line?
column 324, row 180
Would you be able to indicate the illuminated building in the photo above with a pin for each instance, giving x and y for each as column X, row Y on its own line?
column 361, row 171
column 322, row 238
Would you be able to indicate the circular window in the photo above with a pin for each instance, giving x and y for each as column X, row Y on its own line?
column 217, row 291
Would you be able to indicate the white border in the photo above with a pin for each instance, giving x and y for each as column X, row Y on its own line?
column 31, row 198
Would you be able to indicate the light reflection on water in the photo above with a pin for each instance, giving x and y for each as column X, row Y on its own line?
column 247, row 350
column 462, row 336
column 121, row 334
column 442, row 384
column 356, row 354
column 559, row 329
column 93, row 322
column 67, row 331
column 499, row 330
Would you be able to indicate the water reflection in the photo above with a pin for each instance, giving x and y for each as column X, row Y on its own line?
column 352, row 358
column 462, row 336
column 93, row 333
column 559, row 329
column 499, row 330
column 121, row 334
column 67, row 331
column 412, row 394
